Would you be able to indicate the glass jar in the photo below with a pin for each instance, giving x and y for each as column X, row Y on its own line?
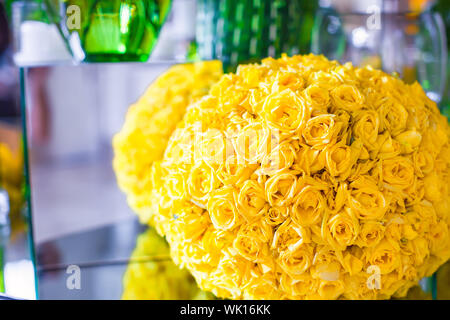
column 389, row 35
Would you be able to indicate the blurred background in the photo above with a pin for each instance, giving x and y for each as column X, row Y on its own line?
column 70, row 79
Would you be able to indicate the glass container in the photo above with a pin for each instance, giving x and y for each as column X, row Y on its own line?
column 390, row 35
column 109, row 30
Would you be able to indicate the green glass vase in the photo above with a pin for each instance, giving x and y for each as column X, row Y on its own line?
column 110, row 30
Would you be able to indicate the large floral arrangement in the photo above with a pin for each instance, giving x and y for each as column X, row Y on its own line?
column 300, row 178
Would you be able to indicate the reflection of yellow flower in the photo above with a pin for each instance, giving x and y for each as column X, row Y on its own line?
column 328, row 172
column 151, row 275
column 11, row 180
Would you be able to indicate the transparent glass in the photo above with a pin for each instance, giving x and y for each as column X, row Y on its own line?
column 17, row 263
column 37, row 41
column 410, row 44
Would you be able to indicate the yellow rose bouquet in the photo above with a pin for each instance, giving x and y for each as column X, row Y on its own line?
column 301, row 178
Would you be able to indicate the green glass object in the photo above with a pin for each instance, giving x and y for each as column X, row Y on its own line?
column 110, row 30
column 248, row 30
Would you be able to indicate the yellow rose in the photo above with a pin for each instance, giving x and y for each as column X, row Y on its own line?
column 393, row 117
column 331, row 290
column 285, row 111
column 415, row 192
column 212, row 147
column 251, row 200
column 226, row 276
column 201, row 182
column 276, row 215
column 298, row 289
column 398, row 172
column 309, row 206
column 439, row 237
column 409, row 140
column 250, row 74
column 176, row 185
column 282, row 157
column 296, row 262
column 317, row 97
column 231, row 172
column 326, row 265
column 252, row 241
column 262, row 285
column 222, row 209
column 388, row 147
column 309, row 160
column 340, row 158
column 322, row 130
column 281, row 188
column 366, row 201
column 336, row 199
column 340, row 230
column 191, row 223
column 347, row 97
column 290, row 236
column 323, row 79
column 384, row 256
column 351, row 263
column 435, row 188
column 366, row 128
column 289, row 80
column 214, row 241
column 251, row 142
column 423, row 162
column 370, row 234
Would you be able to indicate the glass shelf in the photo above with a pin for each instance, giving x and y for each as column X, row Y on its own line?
column 101, row 254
